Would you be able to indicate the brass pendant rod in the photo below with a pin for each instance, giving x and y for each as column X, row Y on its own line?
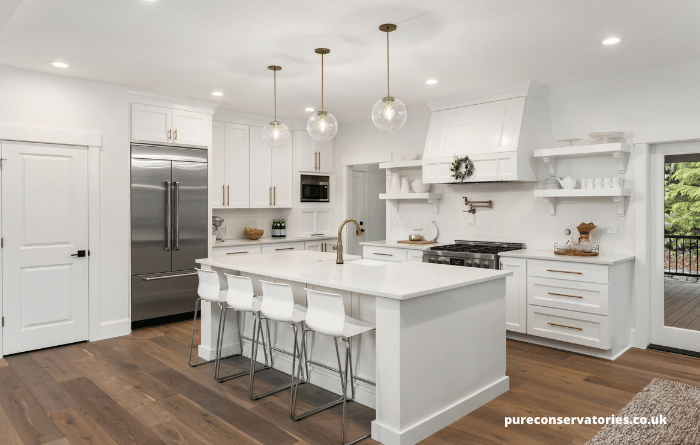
column 274, row 73
column 387, row 65
column 322, row 82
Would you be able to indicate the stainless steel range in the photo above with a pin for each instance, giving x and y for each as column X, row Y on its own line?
column 482, row 254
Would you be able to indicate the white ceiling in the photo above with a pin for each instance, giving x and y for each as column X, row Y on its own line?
column 192, row 48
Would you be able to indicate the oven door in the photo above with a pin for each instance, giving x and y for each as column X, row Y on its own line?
column 314, row 192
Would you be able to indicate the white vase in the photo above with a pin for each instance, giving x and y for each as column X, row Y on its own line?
column 404, row 186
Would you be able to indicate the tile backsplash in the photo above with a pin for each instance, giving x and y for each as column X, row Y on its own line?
column 235, row 220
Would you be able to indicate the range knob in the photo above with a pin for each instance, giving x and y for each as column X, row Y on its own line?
column 477, row 263
column 444, row 260
column 469, row 264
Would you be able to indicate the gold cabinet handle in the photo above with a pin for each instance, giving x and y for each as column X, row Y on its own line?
column 223, row 194
column 170, row 133
column 384, row 254
column 564, row 271
column 501, row 265
column 317, row 234
column 323, row 247
column 270, row 195
column 565, row 326
column 236, row 253
column 274, row 196
column 564, row 295
column 285, row 248
column 176, row 135
column 319, row 160
column 228, row 197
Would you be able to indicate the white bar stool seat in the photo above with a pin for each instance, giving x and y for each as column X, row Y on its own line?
column 278, row 305
column 241, row 298
column 326, row 315
column 211, row 288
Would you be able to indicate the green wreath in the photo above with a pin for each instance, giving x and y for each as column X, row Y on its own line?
column 457, row 171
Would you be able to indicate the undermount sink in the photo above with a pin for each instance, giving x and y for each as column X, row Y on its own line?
column 366, row 262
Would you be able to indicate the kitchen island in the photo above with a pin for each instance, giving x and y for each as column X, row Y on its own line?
column 439, row 348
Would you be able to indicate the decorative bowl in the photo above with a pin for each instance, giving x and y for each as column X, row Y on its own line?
column 419, row 187
column 253, row 234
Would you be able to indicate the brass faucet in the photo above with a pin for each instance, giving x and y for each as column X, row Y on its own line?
column 339, row 257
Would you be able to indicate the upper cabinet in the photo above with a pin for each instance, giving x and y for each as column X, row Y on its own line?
column 271, row 179
column 315, row 156
column 497, row 129
column 165, row 125
column 230, row 166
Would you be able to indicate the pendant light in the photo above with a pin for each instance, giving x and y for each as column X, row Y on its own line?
column 322, row 125
column 275, row 134
column 389, row 114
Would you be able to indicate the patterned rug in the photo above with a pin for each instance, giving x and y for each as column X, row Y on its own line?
column 677, row 402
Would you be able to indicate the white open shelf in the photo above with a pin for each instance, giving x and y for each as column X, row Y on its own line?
column 396, row 198
column 416, row 163
column 619, row 151
column 617, row 194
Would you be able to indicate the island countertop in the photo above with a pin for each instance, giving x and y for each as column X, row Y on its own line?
column 395, row 280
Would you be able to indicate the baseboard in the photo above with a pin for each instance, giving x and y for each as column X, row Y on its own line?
column 115, row 328
column 609, row 354
column 419, row 431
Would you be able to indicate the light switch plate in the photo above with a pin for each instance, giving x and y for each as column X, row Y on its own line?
column 610, row 230
column 408, row 223
column 394, row 222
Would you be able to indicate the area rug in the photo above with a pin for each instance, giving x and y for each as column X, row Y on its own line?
column 677, row 402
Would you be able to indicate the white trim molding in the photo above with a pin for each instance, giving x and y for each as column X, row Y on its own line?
column 93, row 141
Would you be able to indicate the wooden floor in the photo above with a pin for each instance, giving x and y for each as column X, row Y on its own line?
column 681, row 304
column 139, row 390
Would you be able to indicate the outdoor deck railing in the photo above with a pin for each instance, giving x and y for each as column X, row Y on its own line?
column 682, row 255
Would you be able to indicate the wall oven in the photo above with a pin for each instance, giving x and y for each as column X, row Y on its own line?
column 314, row 188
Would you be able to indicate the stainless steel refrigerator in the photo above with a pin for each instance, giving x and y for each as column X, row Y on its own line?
column 169, row 228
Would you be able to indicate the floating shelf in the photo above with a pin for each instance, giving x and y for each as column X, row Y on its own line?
column 619, row 151
column 396, row 198
column 416, row 163
column 617, row 194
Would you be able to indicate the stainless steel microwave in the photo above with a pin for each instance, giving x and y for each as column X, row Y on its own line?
column 314, row 188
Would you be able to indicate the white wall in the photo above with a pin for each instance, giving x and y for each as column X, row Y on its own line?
column 44, row 100
column 641, row 100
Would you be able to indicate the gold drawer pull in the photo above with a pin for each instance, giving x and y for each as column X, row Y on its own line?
column 285, row 248
column 564, row 271
column 385, row 254
column 236, row 253
column 564, row 295
column 317, row 234
column 564, row 326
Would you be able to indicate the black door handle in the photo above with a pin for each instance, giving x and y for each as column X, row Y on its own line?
column 80, row 254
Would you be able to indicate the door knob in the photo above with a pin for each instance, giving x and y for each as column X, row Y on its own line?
column 80, row 254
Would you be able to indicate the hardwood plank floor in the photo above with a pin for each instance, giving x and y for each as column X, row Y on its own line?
column 139, row 390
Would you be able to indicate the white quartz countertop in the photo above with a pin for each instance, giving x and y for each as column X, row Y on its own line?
column 604, row 259
column 395, row 244
column 269, row 240
column 395, row 280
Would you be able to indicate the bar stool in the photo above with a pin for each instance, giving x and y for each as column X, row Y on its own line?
column 209, row 289
column 278, row 305
column 326, row 315
column 241, row 298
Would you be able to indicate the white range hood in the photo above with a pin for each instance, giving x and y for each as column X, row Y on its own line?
column 497, row 129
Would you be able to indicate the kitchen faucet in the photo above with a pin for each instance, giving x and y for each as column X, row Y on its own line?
column 339, row 257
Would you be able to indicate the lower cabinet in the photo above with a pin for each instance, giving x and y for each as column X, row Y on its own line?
column 384, row 253
column 320, row 245
column 516, row 299
column 281, row 247
column 218, row 252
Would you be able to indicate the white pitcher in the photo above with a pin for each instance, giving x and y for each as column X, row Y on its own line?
column 394, row 180
column 404, row 185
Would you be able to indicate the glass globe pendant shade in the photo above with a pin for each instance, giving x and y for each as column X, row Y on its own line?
column 322, row 126
column 275, row 134
column 389, row 114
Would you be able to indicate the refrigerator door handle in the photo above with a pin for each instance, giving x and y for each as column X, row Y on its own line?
column 168, row 216
column 163, row 277
column 176, row 215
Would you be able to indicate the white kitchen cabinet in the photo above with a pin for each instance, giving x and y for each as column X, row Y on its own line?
column 315, row 221
column 218, row 252
column 166, row 125
column 281, row 247
column 315, row 155
column 414, row 255
column 230, row 166
column 516, row 296
column 271, row 179
column 384, row 253
column 320, row 245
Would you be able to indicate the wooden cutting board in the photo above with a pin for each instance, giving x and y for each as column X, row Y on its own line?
column 422, row 242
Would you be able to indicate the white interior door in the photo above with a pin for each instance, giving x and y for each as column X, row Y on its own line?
column 44, row 223
column 358, row 210
column 675, row 302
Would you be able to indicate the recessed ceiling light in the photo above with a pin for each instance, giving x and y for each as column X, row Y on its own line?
column 59, row 64
column 309, row 109
column 216, row 93
column 611, row 41
column 431, row 81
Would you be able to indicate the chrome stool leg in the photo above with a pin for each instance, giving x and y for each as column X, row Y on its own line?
column 294, row 356
column 348, row 373
column 194, row 328
column 220, row 348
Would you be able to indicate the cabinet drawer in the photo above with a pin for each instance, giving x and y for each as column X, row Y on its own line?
column 572, row 295
column 281, row 247
column 572, row 327
column 414, row 255
column 564, row 270
column 238, row 250
column 384, row 253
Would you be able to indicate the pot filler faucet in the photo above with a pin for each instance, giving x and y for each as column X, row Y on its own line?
column 339, row 257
